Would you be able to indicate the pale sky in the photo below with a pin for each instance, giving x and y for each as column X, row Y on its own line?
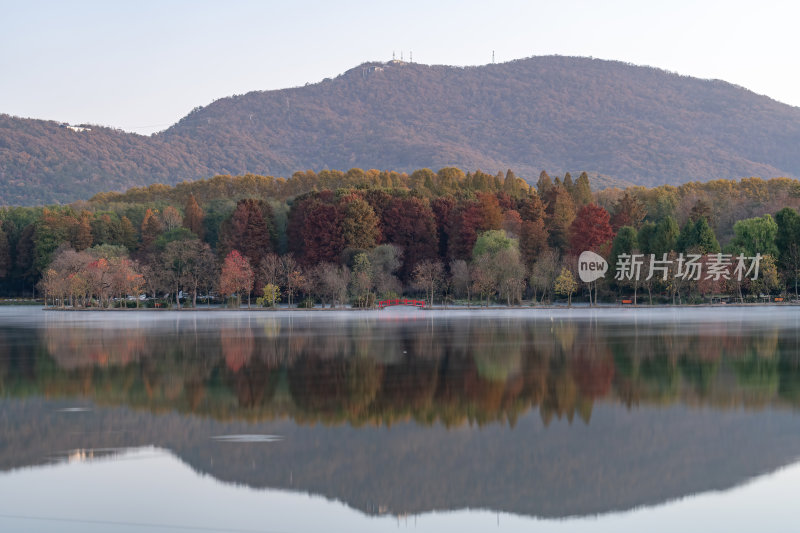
column 141, row 66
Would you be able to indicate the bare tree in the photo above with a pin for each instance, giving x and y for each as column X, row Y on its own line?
column 331, row 282
column 171, row 218
column 154, row 276
column 676, row 283
column 427, row 276
column 176, row 260
column 484, row 280
column 270, row 272
column 543, row 274
column 201, row 271
column 361, row 281
column 55, row 286
column 209, row 275
column 293, row 278
column 125, row 279
column 651, row 281
column 384, row 261
column 792, row 263
column 461, row 273
column 510, row 273
column 71, row 266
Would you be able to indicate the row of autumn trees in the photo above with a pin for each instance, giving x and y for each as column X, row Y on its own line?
column 446, row 235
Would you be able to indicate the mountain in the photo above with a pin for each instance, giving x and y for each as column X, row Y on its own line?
column 623, row 460
column 617, row 121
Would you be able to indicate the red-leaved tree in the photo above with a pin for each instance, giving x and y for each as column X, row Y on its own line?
column 590, row 230
column 410, row 224
column 248, row 230
column 236, row 277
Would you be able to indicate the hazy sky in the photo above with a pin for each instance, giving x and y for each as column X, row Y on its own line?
column 140, row 66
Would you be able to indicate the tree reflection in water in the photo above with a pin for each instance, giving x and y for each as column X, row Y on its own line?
column 366, row 371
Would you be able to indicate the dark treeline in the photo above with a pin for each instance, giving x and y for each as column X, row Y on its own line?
column 364, row 372
column 355, row 237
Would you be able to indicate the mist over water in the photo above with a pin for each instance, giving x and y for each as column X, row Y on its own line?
column 378, row 419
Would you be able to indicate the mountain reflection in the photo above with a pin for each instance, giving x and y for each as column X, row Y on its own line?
column 370, row 371
column 528, row 414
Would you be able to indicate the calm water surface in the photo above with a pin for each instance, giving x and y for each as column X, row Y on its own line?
column 546, row 420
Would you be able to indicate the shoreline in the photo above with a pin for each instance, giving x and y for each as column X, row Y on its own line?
column 433, row 308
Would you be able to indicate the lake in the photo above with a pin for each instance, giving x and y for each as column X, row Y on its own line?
column 550, row 420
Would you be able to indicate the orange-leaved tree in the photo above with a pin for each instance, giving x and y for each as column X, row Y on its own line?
column 236, row 277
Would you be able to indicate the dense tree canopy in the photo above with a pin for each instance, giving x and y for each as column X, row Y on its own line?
column 365, row 241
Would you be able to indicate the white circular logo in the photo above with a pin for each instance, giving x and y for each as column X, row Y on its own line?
column 591, row 267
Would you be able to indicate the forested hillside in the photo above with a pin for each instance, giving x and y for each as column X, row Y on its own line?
column 620, row 123
column 45, row 162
